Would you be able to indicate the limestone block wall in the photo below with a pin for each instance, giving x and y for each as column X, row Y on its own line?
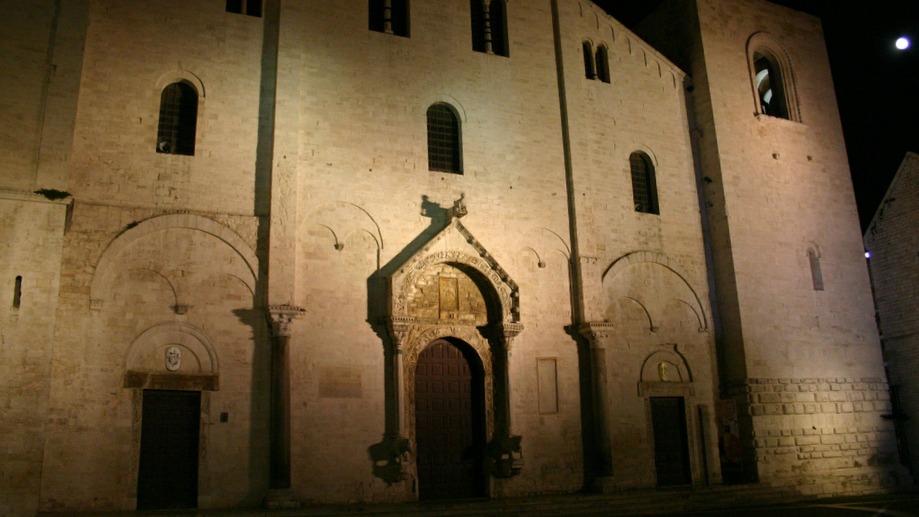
column 777, row 190
column 131, row 54
column 363, row 177
column 644, row 272
column 892, row 241
column 25, row 57
column 31, row 235
column 134, row 283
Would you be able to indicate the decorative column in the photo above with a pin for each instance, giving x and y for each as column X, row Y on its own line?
column 506, row 450
column 398, row 330
column 387, row 16
column 281, row 318
column 599, row 335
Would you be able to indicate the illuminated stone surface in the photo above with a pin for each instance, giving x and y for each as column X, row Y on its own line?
column 309, row 188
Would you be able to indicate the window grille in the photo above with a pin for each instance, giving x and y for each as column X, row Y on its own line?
column 644, row 187
column 178, row 119
column 443, row 139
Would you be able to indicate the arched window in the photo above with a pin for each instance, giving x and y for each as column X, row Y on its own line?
column 489, row 26
column 602, row 63
column 644, row 186
column 589, row 70
column 443, row 139
column 769, row 86
column 178, row 119
column 772, row 77
column 389, row 16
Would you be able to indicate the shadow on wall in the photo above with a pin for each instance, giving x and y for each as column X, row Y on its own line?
column 389, row 455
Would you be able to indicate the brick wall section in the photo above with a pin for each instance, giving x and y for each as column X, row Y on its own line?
column 829, row 428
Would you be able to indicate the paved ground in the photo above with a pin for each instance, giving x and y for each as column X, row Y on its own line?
column 747, row 502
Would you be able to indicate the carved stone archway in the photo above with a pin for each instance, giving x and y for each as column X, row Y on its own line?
column 489, row 333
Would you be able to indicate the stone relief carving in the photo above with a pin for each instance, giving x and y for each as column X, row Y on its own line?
column 483, row 264
column 173, row 358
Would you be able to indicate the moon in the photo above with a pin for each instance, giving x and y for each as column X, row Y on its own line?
column 902, row 43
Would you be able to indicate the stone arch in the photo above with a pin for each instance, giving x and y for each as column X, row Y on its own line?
column 665, row 372
column 200, row 368
column 107, row 266
column 499, row 290
column 640, row 257
column 768, row 46
column 679, row 367
column 451, row 102
column 185, row 76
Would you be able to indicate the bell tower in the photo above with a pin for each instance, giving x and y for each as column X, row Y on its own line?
column 798, row 348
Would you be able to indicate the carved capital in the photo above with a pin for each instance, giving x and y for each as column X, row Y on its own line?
column 597, row 332
column 508, row 331
column 282, row 318
column 398, row 327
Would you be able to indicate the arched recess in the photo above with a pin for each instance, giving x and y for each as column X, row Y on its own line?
column 174, row 356
column 688, row 298
column 768, row 61
column 246, row 269
column 665, row 373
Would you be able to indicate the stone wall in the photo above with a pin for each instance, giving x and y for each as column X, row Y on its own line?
column 892, row 240
column 31, row 236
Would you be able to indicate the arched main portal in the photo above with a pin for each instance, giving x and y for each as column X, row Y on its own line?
column 450, row 290
column 450, row 421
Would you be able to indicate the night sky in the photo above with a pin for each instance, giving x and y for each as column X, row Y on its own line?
column 877, row 86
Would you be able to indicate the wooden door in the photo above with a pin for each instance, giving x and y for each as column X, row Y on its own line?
column 168, row 472
column 449, row 428
column 671, row 447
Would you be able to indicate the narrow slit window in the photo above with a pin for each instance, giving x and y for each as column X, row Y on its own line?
column 443, row 139
column 178, row 119
column 644, row 184
column 602, row 63
column 389, row 16
column 816, row 272
column 588, row 51
column 17, row 292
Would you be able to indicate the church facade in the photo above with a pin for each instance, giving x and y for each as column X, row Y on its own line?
column 320, row 252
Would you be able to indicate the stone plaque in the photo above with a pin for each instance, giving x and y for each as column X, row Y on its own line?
column 340, row 382
column 547, row 379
